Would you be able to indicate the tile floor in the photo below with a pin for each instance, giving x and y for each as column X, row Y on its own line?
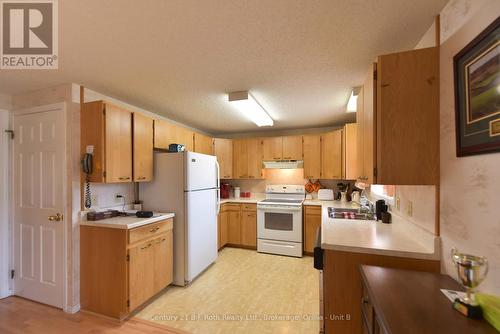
column 244, row 292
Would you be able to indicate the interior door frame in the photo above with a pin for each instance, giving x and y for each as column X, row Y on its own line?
column 67, row 222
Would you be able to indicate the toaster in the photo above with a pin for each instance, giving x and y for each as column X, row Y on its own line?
column 325, row 194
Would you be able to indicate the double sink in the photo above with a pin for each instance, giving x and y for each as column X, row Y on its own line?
column 355, row 214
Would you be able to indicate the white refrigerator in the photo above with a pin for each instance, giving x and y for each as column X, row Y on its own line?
column 187, row 184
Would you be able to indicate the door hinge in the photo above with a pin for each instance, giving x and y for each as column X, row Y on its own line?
column 128, row 257
column 104, row 174
column 12, row 274
column 374, row 171
column 11, row 132
column 375, row 75
column 128, row 302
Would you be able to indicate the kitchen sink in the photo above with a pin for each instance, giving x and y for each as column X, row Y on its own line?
column 354, row 214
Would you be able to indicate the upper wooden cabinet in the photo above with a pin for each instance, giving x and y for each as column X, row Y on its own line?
column 247, row 158
column 203, row 144
column 272, row 148
column 331, row 155
column 107, row 129
column 143, row 148
column 400, row 119
column 350, row 151
column 292, row 147
column 282, row 148
column 365, row 119
column 312, row 156
column 166, row 133
column 223, row 150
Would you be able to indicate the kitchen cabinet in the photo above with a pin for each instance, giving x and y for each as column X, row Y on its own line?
column 166, row 133
column 292, row 147
column 247, row 158
column 312, row 156
column 400, row 119
column 121, row 269
column 312, row 221
column 143, row 148
column 107, row 130
column 203, row 144
column 249, row 225
column 282, row 148
column 223, row 150
column 350, row 151
column 272, row 148
column 331, row 155
column 238, row 225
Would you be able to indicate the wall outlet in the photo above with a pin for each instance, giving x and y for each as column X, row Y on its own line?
column 94, row 200
column 119, row 198
column 409, row 209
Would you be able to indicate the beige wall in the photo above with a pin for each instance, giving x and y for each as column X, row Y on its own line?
column 470, row 216
column 5, row 102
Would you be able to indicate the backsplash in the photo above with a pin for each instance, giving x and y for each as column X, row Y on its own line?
column 106, row 194
column 279, row 176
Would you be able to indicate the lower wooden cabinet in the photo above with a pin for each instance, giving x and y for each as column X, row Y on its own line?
column 312, row 221
column 237, row 224
column 121, row 269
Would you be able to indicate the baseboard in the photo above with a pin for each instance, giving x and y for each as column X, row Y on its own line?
column 72, row 309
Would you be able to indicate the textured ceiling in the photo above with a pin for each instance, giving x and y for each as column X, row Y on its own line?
column 178, row 58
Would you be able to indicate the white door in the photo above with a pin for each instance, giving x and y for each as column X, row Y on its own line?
column 38, row 157
column 201, row 233
column 201, row 171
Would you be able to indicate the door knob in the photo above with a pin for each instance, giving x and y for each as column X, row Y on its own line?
column 56, row 218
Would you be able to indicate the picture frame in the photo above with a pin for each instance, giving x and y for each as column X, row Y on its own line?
column 477, row 94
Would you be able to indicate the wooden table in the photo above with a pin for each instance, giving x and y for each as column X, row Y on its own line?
column 404, row 301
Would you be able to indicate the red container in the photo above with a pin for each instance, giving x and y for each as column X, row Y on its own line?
column 224, row 190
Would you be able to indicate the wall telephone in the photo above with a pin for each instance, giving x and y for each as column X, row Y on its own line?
column 87, row 169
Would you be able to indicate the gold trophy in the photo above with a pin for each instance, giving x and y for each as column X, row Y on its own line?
column 471, row 271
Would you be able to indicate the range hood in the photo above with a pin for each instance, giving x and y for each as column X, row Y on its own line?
column 283, row 164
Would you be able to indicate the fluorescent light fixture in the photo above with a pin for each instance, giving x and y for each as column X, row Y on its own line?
column 246, row 103
column 352, row 104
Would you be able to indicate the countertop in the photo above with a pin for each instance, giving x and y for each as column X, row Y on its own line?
column 127, row 222
column 401, row 238
column 254, row 199
column 411, row 302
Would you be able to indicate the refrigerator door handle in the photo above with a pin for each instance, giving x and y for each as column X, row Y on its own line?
column 218, row 185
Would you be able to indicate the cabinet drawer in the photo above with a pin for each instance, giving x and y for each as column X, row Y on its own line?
column 150, row 230
column 367, row 311
column 230, row 207
column 313, row 210
column 249, row 207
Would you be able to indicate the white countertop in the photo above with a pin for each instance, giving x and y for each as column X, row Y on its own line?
column 335, row 204
column 127, row 222
column 400, row 238
column 254, row 199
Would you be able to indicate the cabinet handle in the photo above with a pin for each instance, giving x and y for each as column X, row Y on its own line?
column 160, row 241
column 287, row 158
column 123, row 178
column 276, row 158
column 149, row 245
column 141, row 178
column 154, row 229
column 251, row 176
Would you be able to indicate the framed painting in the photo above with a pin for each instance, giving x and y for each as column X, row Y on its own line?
column 477, row 93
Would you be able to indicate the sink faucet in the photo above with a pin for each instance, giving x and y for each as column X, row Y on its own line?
column 366, row 204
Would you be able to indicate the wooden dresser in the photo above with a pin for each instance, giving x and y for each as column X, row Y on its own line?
column 404, row 301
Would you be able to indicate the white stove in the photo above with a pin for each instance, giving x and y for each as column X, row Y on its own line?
column 279, row 220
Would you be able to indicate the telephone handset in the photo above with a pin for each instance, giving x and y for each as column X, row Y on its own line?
column 87, row 163
column 87, row 169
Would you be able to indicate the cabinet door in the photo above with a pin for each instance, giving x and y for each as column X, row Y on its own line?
column 240, row 159
column 141, row 273
column 407, row 118
column 186, row 137
column 369, row 114
column 223, row 150
column 234, row 227
column 163, row 261
column 143, row 148
column 222, row 225
column 312, row 156
column 249, row 228
column 118, row 144
column 360, row 135
column 254, row 149
column 292, row 147
column 350, row 151
column 202, row 144
column 331, row 155
column 272, row 148
column 312, row 222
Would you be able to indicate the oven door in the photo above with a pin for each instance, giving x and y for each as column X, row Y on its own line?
column 279, row 223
